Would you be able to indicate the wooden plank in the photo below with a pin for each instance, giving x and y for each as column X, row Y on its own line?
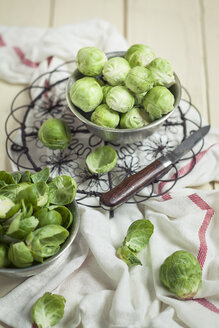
column 210, row 10
column 173, row 29
column 25, row 12
column 73, row 11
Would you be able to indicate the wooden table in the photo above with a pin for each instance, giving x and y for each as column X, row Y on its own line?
column 183, row 31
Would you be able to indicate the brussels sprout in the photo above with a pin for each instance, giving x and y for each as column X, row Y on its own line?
column 4, row 261
column 45, row 217
column 20, row 255
column 162, row 72
column 116, row 70
column 86, row 93
column 106, row 88
column 62, row 190
column 105, row 116
column 158, row 101
column 48, row 310
column 44, row 242
column 139, row 79
column 90, row 61
column 128, row 256
column 120, row 99
column 20, row 228
column 135, row 118
column 101, row 160
column 138, row 235
column 36, row 194
column 55, row 134
column 139, row 55
column 181, row 274
column 66, row 215
column 139, row 98
column 7, row 207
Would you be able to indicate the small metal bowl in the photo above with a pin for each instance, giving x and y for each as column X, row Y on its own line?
column 122, row 136
column 37, row 268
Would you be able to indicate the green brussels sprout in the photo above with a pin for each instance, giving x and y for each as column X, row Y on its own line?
column 66, row 215
column 128, row 256
column 45, row 217
column 7, row 207
column 139, row 79
column 101, row 160
column 48, row 310
column 139, row 98
column 86, row 93
column 20, row 255
column 120, row 99
column 158, row 101
column 36, row 194
column 116, row 70
column 90, row 61
column 134, row 118
column 62, row 190
column 138, row 235
column 181, row 274
column 4, row 261
column 139, row 55
column 20, row 227
column 55, row 134
column 106, row 88
column 105, row 116
column 162, row 72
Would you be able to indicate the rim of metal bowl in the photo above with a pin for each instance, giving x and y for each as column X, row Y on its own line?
column 73, row 207
column 88, row 122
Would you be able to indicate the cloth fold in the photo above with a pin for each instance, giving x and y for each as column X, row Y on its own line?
column 100, row 290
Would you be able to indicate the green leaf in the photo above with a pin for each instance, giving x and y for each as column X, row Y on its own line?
column 20, row 255
column 26, row 177
column 20, row 228
column 128, row 256
column 36, row 194
column 16, row 177
column 6, row 177
column 138, row 235
column 48, row 216
column 7, row 207
column 62, row 190
column 65, row 213
column 43, row 175
column 48, row 310
column 4, row 261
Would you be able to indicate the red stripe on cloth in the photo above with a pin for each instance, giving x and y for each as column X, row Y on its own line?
column 210, row 306
column 185, row 169
column 166, row 196
column 197, row 200
column 2, row 42
column 23, row 59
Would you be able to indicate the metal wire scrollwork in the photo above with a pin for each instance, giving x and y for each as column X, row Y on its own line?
column 45, row 98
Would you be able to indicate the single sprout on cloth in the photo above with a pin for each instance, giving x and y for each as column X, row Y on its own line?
column 128, row 256
column 86, row 93
column 90, row 61
column 106, row 88
column 139, row 79
column 105, row 116
column 137, row 237
column 181, row 274
column 134, row 118
column 139, row 55
column 20, row 255
column 4, row 261
column 55, row 134
column 162, row 72
column 158, row 101
column 120, row 99
column 116, row 70
column 48, row 310
column 101, row 160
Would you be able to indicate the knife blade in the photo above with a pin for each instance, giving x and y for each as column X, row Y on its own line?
column 131, row 185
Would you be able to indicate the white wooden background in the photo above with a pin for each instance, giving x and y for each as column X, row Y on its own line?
column 184, row 31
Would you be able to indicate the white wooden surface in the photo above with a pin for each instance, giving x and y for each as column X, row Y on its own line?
column 184, row 31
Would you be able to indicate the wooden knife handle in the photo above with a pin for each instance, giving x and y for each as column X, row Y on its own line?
column 129, row 186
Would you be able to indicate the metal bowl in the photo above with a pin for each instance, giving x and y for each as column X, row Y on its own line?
column 122, row 136
column 35, row 269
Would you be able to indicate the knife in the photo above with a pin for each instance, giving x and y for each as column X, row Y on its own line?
column 131, row 185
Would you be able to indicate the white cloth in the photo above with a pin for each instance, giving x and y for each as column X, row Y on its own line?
column 100, row 290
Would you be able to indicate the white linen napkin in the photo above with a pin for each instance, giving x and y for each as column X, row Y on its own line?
column 100, row 290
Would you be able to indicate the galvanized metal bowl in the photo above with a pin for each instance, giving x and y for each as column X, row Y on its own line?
column 37, row 268
column 122, row 136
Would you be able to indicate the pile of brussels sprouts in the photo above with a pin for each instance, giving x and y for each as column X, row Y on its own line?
column 35, row 214
column 126, row 93
column 180, row 273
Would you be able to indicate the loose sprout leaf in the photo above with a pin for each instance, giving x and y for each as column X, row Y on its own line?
column 36, row 194
column 101, row 160
column 128, row 256
column 20, row 228
column 138, row 235
column 43, row 175
column 26, row 177
column 16, row 177
column 6, row 177
column 20, row 255
column 4, row 261
column 66, row 215
column 62, row 190
column 7, row 207
column 48, row 310
column 48, row 216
